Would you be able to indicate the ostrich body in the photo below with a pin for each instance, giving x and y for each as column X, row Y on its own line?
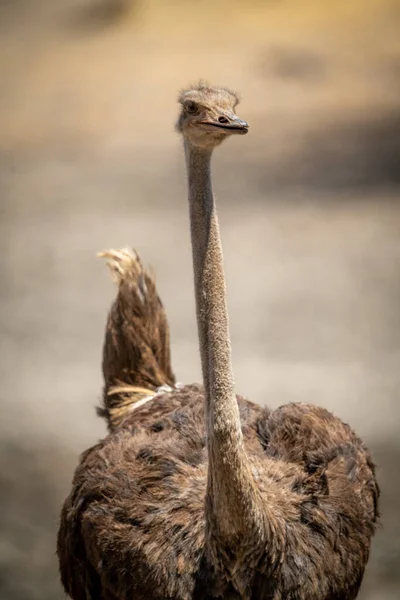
column 197, row 493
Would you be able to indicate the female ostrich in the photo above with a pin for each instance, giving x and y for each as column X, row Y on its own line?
column 197, row 493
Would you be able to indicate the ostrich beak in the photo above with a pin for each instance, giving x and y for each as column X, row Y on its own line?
column 230, row 122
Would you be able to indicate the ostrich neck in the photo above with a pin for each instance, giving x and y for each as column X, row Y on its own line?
column 231, row 491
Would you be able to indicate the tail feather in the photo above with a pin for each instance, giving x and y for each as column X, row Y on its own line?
column 136, row 353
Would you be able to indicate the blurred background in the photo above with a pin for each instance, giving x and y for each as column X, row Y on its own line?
column 310, row 214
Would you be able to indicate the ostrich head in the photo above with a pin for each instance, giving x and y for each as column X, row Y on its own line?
column 208, row 116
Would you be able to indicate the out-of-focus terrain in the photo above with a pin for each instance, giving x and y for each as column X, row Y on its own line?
column 310, row 217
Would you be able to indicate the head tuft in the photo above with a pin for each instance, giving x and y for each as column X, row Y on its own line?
column 203, row 90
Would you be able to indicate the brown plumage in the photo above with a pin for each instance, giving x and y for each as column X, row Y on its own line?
column 197, row 493
column 136, row 353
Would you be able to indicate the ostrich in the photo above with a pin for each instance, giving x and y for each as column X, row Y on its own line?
column 197, row 493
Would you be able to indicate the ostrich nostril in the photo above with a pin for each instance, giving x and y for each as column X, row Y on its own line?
column 223, row 120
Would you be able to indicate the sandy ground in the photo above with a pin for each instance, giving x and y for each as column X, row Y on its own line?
column 310, row 218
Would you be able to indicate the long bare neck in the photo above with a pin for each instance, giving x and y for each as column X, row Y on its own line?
column 231, row 492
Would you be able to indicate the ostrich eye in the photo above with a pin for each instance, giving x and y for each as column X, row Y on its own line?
column 192, row 108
